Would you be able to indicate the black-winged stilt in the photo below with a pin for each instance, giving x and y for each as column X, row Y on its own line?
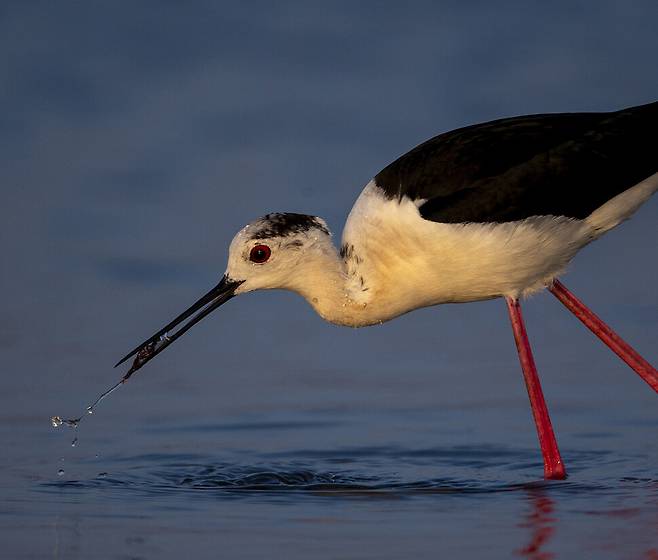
column 491, row 210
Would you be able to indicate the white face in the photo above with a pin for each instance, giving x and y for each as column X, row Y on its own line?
column 264, row 260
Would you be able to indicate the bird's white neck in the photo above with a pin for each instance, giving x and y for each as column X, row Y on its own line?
column 329, row 287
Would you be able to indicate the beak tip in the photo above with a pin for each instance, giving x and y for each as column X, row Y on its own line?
column 122, row 360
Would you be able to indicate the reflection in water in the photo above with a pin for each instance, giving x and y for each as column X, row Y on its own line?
column 541, row 524
column 652, row 551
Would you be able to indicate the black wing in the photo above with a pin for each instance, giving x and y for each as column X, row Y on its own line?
column 557, row 164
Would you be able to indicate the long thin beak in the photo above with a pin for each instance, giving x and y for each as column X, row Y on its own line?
column 151, row 347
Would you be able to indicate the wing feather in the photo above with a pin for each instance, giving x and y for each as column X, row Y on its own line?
column 565, row 164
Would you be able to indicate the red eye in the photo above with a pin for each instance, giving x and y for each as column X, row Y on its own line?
column 260, row 253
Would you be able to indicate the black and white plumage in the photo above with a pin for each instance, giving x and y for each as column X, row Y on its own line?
column 492, row 210
column 511, row 169
column 498, row 209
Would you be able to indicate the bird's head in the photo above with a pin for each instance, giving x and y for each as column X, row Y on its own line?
column 275, row 251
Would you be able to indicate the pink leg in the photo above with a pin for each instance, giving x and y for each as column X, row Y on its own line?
column 643, row 368
column 553, row 465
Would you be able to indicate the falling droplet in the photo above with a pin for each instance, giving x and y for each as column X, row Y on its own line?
column 57, row 421
column 74, row 442
column 60, row 472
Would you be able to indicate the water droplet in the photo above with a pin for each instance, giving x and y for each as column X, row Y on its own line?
column 97, row 455
column 60, row 472
column 74, row 442
column 90, row 410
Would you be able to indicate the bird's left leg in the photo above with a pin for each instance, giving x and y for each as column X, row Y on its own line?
column 609, row 337
column 553, row 465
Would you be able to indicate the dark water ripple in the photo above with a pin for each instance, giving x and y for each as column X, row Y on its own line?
column 368, row 471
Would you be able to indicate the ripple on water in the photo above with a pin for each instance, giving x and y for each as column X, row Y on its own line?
column 367, row 471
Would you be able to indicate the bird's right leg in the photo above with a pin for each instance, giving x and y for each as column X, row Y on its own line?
column 609, row 337
column 553, row 465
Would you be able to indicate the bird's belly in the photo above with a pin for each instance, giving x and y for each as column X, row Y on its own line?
column 397, row 261
column 457, row 263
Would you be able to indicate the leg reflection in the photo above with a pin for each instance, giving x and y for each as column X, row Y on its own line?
column 541, row 523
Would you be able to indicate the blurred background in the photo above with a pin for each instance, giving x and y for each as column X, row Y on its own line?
column 137, row 138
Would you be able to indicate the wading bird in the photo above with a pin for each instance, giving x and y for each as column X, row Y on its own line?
column 492, row 210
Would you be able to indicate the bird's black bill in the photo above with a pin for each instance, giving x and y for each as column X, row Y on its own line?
column 151, row 347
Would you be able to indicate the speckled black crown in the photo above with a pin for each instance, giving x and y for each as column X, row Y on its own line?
column 282, row 224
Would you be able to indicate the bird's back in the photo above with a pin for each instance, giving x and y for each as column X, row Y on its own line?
column 510, row 169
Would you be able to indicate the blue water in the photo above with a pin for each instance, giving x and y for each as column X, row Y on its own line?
column 323, row 470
